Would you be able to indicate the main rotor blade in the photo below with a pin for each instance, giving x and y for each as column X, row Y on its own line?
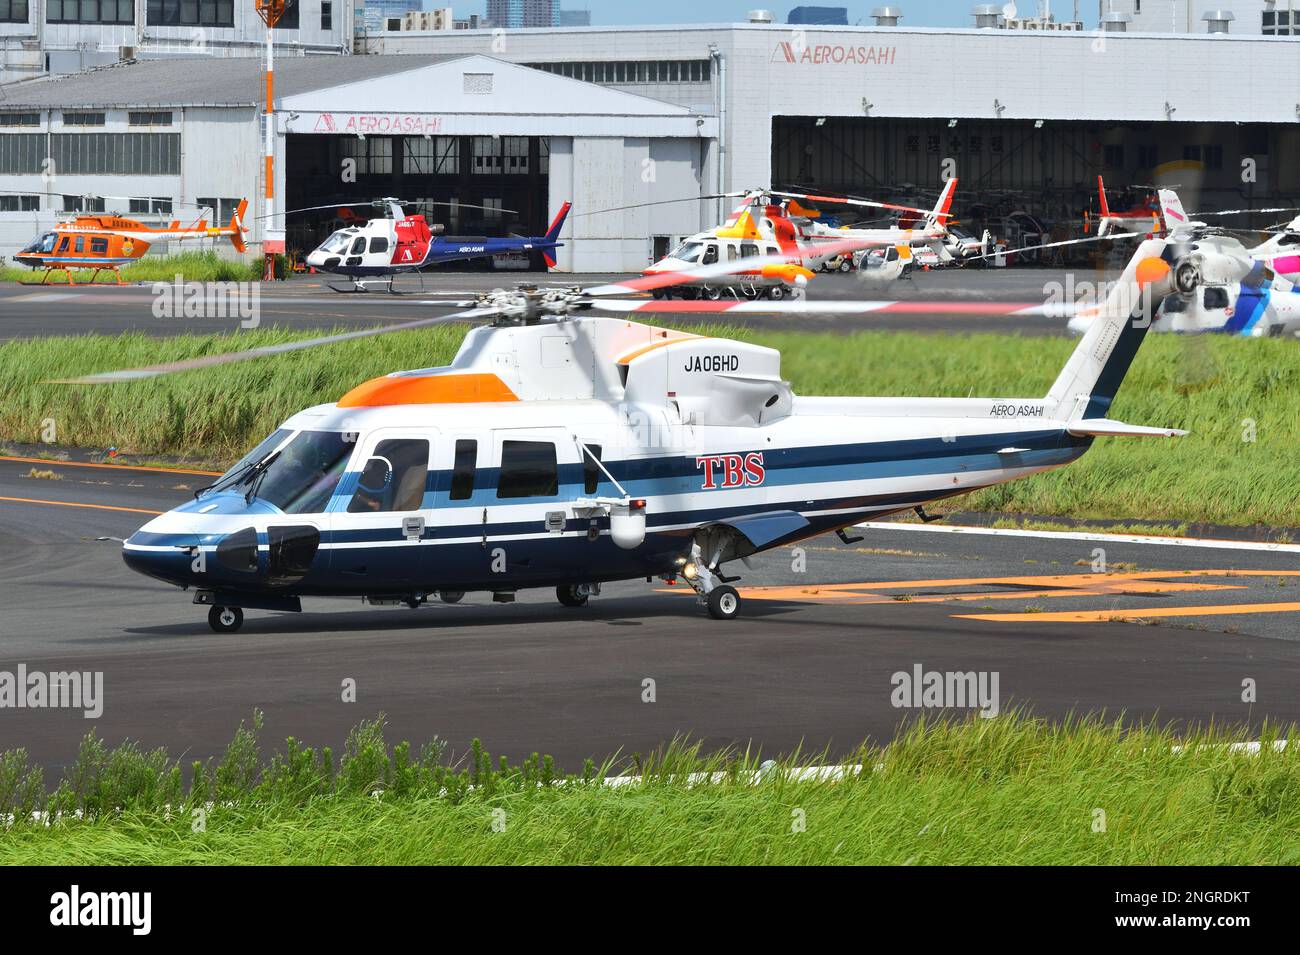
column 850, row 202
column 207, row 361
column 667, row 202
column 1238, row 212
column 647, row 283
column 741, row 307
column 1110, row 236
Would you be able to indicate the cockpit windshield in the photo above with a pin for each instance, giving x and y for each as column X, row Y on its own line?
column 337, row 244
column 298, row 477
column 44, row 244
column 301, row 478
column 688, row 251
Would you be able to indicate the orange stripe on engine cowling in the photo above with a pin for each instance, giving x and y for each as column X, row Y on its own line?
column 427, row 390
column 669, row 338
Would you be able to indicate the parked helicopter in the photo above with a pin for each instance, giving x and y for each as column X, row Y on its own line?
column 771, row 223
column 1222, row 286
column 105, row 242
column 565, row 450
column 384, row 248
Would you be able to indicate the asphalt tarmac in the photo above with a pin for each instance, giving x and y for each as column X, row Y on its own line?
column 1169, row 632
column 307, row 302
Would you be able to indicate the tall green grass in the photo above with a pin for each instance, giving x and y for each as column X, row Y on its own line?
column 1223, row 390
column 196, row 266
column 1010, row 790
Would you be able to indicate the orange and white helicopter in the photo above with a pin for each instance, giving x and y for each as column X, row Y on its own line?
column 104, row 242
column 565, row 450
column 774, row 224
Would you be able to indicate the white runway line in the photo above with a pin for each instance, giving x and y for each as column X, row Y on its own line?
column 1211, row 543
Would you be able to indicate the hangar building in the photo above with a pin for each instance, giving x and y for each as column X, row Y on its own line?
column 608, row 117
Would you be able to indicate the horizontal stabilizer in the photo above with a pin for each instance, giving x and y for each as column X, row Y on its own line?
column 1092, row 427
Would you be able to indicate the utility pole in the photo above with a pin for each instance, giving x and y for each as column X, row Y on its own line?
column 272, row 238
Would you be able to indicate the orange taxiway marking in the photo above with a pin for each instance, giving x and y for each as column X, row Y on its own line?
column 112, row 467
column 1103, row 616
column 96, row 507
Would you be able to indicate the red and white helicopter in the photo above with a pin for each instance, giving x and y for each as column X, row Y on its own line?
column 562, row 449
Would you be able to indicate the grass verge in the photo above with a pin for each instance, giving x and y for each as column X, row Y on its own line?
column 1010, row 790
column 196, row 266
column 1237, row 397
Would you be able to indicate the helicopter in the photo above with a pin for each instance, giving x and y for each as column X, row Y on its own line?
column 386, row 247
column 772, row 223
column 1221, row 286
column 105, row 242
column 566, row 449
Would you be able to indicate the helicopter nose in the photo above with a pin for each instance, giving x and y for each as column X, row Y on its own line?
column 172, row 562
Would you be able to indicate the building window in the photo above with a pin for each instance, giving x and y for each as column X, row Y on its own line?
column 439, row 156
column 90, row 11
column 21, row 152
column 516, row 155
column 83, row 119
column 1148, row 156
column 117, row 154
column 1113, row 156
column 487, row 156
column 13, row 11
column 208, row 13
column 326, row 16
column 20, row 203
column 544, row 155
column 157, row 207
column 223, row 210
column 83, row 204
column 149, row 118
column 20, row 119
column 656, row 71
column 289, row 21
column 373, row 157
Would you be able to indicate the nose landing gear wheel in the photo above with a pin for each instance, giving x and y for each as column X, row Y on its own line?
column 570, row 595
column 225, row 619
column 451, row 596
column 724, row 603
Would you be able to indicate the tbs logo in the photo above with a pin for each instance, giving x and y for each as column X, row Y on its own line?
column 731, row 470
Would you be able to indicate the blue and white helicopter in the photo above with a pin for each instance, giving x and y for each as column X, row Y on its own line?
column 562, row 449
column 380, row 249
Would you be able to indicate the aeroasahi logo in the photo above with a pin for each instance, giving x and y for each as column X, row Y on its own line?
column 948, row 689
column 57, row 690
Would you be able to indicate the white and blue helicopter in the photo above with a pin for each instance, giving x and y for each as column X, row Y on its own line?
column 562, row 449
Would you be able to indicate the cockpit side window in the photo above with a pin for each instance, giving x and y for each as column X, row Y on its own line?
column 394, row 477
column 358, row 245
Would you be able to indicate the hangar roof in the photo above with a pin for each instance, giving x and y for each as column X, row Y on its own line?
column 205, row 81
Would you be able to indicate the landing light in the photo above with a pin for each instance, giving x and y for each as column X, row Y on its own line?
column 690, row 571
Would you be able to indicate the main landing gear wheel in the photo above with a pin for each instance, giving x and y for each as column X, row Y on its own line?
column 724, row 603
column 451, row 596
column 571, row 595
column 225, row 619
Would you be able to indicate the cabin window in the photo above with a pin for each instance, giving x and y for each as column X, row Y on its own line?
column 591, row 473
column 462, row 471
column 528, row 469
column 358, row 245
column 731, row 252
column 81, row 243
column 710, row 255
column 394, row 477
column 378, row 243
column 748, row 250
column 63, row 244
column 99, row 246
column 1215, row 297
